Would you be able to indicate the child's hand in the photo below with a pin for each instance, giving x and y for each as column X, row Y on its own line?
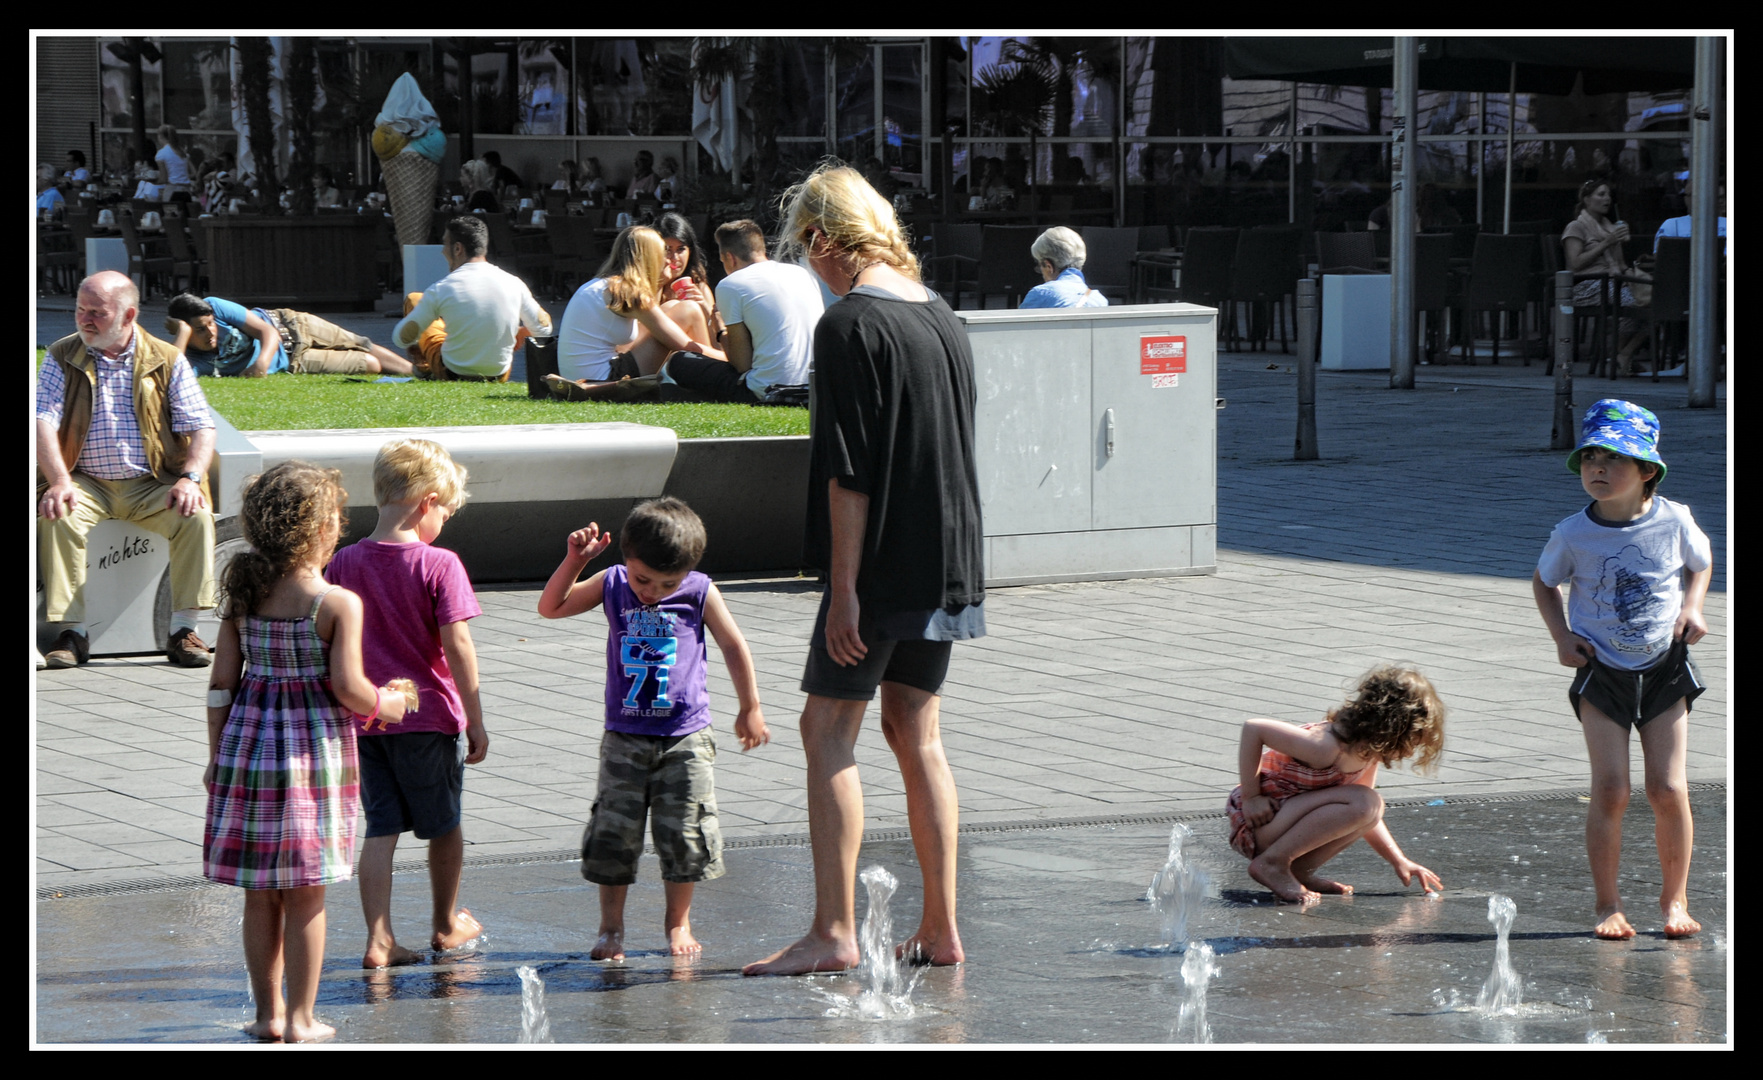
column 477, row 742
column 751, row 730
column 208, row 775
column 1691, row 627
column 1258, row 810
column 1408, row 870
column 1574, row 651
column 585, row 544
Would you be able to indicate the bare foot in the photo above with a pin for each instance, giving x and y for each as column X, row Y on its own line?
column 1323, row 885
column 939, row 951
column 266, row 1030
column 1678, row 923
column 1281, row 881
column 465, row 930
column 1613, row 926
column 807, row 956
column 680, row 941
column 313, row 1032
column 394, row 956
column 610, row 946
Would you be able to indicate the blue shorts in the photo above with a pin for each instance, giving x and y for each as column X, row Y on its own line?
column 412, row 783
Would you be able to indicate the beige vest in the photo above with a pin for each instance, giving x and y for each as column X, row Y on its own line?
column 166, row 449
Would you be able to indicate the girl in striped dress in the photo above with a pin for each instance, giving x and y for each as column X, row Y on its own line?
column 281, row 778
column 1307, row 792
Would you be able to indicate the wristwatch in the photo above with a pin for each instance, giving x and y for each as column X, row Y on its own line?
column 192, row 477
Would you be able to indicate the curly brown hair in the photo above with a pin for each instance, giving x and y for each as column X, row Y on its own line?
column 285, row 517
column 1394, row 715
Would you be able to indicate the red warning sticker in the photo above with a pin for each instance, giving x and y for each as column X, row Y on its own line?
column 1163, row 355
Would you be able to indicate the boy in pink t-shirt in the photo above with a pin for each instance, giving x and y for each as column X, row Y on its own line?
column 417, row 599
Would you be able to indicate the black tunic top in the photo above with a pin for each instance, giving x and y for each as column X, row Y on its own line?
column 892, row 400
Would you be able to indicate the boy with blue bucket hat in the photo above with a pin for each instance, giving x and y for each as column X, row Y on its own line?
column 1639, row 569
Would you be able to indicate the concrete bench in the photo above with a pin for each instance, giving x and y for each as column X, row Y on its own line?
column 529, row 485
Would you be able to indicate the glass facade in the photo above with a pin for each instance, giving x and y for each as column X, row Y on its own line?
column 1114, row 130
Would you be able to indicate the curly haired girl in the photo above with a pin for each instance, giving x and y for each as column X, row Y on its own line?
column 1306, row 792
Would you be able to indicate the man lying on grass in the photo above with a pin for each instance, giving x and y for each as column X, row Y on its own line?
column 220, row 337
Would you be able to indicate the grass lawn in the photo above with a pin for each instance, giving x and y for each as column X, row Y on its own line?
column 303, row 402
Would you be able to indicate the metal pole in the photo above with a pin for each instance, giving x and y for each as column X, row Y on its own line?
column 1305, row 449
column 1402, row 151
column 1706, row 134
column 1511, row 127
column 1564, row 433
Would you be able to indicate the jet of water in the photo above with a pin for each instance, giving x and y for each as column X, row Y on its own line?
column 1504, row 991
column 1178, row 889
column 535, row 1023
column 1197, row 969
column 886, row 987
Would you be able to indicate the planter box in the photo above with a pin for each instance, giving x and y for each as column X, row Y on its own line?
column 310, row 263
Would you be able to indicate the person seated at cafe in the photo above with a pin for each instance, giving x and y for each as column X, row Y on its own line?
column 76, row 172
column 666, row 178
column 1059, row 254
column 324, row 192
column 220, row 337
column 568, row 177
column 50, row 202
column 643, row 183
column 769, row 310
column 592, row 181
column 502, row 177
column 468, row 324
column 1679, row 227
column 478, row 180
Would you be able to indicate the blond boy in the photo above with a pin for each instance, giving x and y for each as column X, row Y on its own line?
column 417, row 599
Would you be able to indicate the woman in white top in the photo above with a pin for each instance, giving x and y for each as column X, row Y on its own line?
column 617, row 325
column 174, row 167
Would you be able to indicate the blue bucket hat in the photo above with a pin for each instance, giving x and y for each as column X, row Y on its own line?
column 1621, row 427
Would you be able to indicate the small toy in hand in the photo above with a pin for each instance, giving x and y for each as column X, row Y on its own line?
column 396, row 686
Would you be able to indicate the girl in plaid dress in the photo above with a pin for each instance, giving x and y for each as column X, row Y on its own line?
column 281, row 776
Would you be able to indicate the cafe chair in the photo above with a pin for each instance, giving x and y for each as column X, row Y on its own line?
column 1108, row 260
column 1499, row 283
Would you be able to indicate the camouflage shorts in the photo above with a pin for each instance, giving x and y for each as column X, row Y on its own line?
column 665, row 778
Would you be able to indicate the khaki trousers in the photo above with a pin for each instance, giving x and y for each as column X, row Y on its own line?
column 61, row 544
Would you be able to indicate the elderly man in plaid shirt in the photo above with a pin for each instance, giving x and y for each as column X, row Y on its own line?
column 123, row 432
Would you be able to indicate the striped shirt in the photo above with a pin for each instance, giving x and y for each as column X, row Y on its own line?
column 114, row 449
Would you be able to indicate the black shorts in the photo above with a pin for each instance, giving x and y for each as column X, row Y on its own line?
column 920, row 664
column 703, row 378
column 412, row 783
column 622, row 366
column 1631, row 698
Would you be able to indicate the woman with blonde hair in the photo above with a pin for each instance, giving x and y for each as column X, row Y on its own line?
column 894, row 519
column 617, row 326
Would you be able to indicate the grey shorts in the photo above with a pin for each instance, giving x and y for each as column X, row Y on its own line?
column 667, row 779
column 412, row 783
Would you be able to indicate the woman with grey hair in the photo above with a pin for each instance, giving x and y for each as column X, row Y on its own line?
column 1059, row 253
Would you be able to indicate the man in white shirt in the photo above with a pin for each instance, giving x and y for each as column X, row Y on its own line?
column 768, row 311
column 467, row 325
column 1680, row 226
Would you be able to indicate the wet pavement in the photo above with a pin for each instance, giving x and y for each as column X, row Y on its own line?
column 1062, row 947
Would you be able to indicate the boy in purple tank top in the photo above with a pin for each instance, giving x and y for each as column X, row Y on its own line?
column 657, row 753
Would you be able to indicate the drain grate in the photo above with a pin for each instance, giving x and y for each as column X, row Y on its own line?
column 878, row 836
